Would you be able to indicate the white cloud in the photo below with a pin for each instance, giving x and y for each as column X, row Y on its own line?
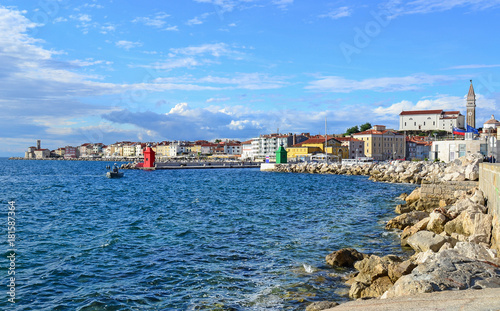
column 338, row 13
column 398, row 8
column 214, row 49
column 218, row 100
column 81, row 17
column 385, row 84
column 172, row 28
column 157, row 20
column 474, row 66
column 127, row 45
column 194, row 21
column 282, row 4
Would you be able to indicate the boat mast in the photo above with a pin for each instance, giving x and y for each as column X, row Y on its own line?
column 326, row 144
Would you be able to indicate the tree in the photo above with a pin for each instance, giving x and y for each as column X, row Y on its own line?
column 352, row 130
column 365, row 127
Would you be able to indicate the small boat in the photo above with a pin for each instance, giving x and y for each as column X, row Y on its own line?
column 114, row 173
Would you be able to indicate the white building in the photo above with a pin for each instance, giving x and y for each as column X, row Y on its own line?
column 430, row 120
column 232, row 148
column 450, row 150
column 266, row 145
column 246, row 150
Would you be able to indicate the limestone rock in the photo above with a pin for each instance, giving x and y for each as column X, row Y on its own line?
column 402, row 209
column 413, row 196
column 345, row 257
column 397, row 270
column 447, row 270
column 411, row 230
column 405, row 220
column 425, row 240
column 436, row 222
column 321, row 305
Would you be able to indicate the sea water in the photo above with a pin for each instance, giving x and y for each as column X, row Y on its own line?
column 198, row 239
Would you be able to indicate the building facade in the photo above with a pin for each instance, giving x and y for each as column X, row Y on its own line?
column 382, row 144
column 356, row 147
column 430, row 120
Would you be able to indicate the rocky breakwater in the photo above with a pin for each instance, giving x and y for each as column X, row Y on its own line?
column 462, row 169
column 452, row 252
column 447, row 225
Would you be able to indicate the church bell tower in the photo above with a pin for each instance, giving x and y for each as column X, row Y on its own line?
column 471, row 106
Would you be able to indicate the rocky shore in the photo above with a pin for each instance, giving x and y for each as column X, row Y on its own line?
column 445, row 222
column 465, row 168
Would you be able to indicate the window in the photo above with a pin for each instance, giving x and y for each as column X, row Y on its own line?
column 415, row 123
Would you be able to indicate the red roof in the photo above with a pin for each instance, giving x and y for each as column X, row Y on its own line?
column 403, row 113
column 451, row 112
column 347, row 139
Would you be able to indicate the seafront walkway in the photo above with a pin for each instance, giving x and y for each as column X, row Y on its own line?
column 467, row 300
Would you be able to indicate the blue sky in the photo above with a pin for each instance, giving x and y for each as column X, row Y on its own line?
column 104, row 71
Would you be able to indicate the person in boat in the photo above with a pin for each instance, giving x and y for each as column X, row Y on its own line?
column 115, row 168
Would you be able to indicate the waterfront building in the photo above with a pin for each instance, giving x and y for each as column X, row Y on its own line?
column 71, row 152
column 430, row 120
column 491, row 134
column 485, row 144
column 232, row 148
column 30, row 154
column 316, row 145
column 139, row 149
column 42, row 153
column 355, row 147
column 423, row 149
column 382, row 144
column 449, row 150
column 208, row 148
column 85, row 150
column 417, row 147
column 411, row 148
column 246, row 149
column 266, row 145
column 129, row 150
column 59, row 152
column 162, row 149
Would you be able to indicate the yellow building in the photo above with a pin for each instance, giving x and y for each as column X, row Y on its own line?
column 162, row 149
column 382, row 144
column 315, row 145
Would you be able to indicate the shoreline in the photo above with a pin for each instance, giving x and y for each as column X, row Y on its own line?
column 445, row 221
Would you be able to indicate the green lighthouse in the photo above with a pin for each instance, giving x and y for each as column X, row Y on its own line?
column 281, row 155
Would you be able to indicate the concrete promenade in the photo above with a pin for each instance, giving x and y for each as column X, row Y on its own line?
column 463, row 300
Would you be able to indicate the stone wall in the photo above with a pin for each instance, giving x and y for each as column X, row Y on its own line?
column 445, row 190
column 489, row 182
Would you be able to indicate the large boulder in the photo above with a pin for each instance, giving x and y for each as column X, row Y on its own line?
column 471, row 224
column 411, row 230
column 321, row 305
column 405, row 220
column 425, row 240
column 436, row 222
column 375, row 289
column 414, row 196
column 373, row 277
column 465, row 266
column 345, row 257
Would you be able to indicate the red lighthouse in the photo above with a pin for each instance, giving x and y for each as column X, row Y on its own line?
column 149, row 157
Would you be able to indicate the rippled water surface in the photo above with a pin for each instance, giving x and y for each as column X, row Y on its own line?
column 218, row 239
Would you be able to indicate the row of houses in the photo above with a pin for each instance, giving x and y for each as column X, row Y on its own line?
column 378, row 143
